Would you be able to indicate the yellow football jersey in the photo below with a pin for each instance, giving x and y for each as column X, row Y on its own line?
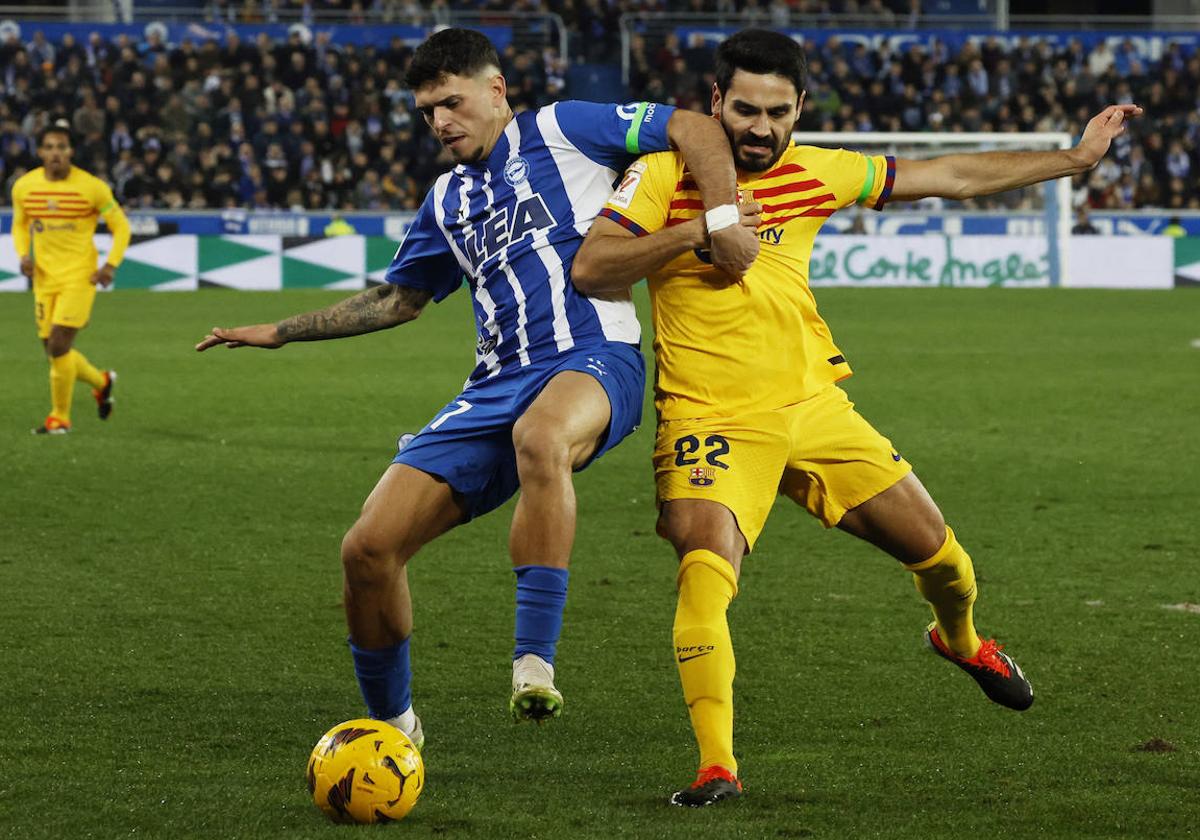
column 724, row 348
column 58, row 218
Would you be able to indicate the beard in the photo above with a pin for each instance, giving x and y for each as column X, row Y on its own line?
column 757, row 163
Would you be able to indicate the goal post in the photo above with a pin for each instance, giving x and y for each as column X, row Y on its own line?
column 1048, row 202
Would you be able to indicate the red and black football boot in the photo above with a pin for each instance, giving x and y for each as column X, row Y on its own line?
column 713, row 784
column 104, row 396
column 52, row 426
column 998, row 675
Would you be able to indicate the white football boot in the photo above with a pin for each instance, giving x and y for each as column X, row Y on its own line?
column 534, row 696
column 408, row 723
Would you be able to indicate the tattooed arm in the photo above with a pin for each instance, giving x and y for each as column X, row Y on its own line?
column 377, row 308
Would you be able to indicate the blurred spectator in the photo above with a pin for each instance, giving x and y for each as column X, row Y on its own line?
column 41, row 52
column 1083, row 223
column 338, row 226
column 1174, row 228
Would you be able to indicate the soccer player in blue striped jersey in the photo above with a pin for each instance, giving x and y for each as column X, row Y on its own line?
column 559, row 376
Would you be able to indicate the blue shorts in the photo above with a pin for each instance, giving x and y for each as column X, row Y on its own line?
column 469, row 443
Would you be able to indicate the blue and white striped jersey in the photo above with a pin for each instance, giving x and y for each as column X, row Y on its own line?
column 513, row 222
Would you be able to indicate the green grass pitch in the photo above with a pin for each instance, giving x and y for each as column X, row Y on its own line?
column 171, row 640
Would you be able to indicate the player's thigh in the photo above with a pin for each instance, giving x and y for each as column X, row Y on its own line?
column 902, row 520
column 734, row 462
column 569, row 415
column 838, row 460
column 407, row 509
column 587, row 403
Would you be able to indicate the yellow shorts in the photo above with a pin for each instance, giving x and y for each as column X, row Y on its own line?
column 821, row 453
column 66, row 306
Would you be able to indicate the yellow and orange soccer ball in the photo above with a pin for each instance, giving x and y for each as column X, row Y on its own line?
column 365, row 771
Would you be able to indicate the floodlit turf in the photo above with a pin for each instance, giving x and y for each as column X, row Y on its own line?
column 171, row 640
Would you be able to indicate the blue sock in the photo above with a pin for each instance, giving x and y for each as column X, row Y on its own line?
column 385, row 679
column 541, row 596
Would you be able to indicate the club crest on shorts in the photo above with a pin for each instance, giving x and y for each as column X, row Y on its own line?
column 702, row 476
column 516, row 171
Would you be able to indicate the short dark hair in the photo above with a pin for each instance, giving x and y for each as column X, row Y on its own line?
column 760, row 51
column 457, row 52
column 59, row 126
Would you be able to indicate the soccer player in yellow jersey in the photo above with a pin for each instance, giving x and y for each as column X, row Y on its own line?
column 55, row 209
column 746, row 391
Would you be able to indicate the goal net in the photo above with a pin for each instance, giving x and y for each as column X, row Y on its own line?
column 1042, row 210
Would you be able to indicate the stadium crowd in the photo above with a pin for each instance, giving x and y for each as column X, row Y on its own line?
column 986, row 87
column 299, row 123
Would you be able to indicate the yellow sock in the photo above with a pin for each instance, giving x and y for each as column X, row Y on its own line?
column 86, row 371
column 62, row 381
column 704, row 653
column 947, row 581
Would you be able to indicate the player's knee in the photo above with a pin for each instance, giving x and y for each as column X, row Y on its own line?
column 541, row 454
column 366, row 561
column 935, row 530
column 709, row 528
column 927, row 535
column 668, row 528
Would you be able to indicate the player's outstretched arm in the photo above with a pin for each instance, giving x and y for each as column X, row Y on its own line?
column 709, row 160
column 612, row 258
column 984, row 173
column 377, row 308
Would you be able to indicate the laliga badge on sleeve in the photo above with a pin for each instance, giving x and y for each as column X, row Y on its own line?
column 629, row 184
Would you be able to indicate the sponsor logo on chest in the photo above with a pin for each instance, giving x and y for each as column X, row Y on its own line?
column 771, row 236
column 504, row 227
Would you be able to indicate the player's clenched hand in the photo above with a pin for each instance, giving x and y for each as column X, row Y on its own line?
column 734, row 249
column 751, row 214
column 259, row 335
column 27, row 267
column 1101, row 130
column 103, row 276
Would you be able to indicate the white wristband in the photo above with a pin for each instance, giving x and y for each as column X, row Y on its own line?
column 719, row 218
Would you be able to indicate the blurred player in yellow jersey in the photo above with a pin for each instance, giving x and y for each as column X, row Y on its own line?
column 55, row 209
column 745, row 390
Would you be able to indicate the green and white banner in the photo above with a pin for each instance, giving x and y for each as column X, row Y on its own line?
column 1091, row 262
column 1187, row 262
column 271, row 262
column 184, row 262
column 929, row 261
